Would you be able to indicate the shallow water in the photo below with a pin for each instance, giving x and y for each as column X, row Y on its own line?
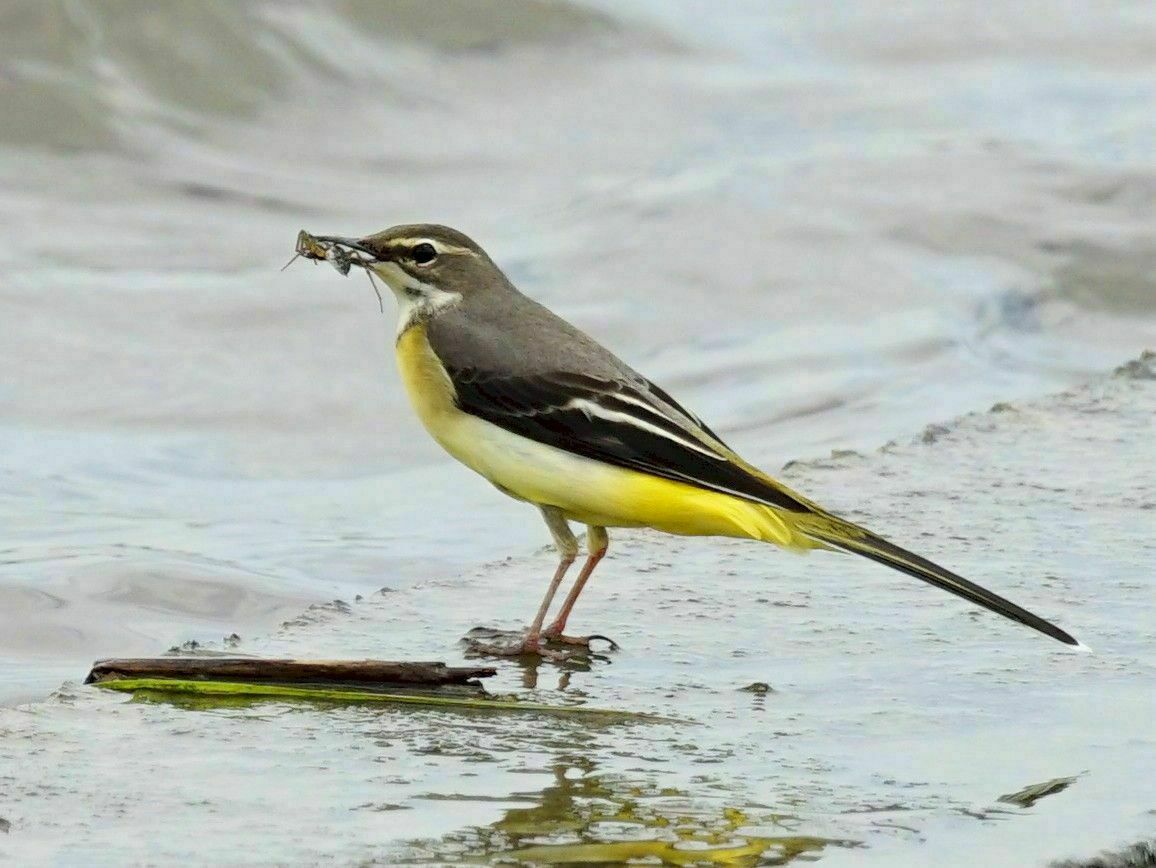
column 819, row 230
column 894, row 718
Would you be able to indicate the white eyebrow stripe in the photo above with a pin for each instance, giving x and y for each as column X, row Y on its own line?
column 592, row 408
column 439, row 246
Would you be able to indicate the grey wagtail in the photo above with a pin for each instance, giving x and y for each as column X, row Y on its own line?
column 550, row 417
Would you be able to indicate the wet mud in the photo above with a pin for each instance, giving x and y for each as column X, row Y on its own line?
column 887, row 720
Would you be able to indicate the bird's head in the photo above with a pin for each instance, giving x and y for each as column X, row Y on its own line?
column 429, row 268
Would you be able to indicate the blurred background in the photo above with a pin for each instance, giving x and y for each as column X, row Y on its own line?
column 822, row 227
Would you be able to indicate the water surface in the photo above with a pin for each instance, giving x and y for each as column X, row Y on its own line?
column 820, row 230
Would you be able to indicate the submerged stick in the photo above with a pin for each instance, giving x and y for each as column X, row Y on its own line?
column 363, row 673
column 227, row 679
column 211, row 691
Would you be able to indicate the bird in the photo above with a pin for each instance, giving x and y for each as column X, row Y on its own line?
column 552, row 418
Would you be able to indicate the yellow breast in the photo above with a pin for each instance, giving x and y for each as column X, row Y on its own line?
column 426, row 382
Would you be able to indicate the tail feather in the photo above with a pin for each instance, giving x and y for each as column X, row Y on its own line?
column 848, row 537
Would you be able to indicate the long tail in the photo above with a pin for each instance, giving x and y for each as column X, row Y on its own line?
column 837, row 533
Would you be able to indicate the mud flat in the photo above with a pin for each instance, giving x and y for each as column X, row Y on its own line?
column 881, row 722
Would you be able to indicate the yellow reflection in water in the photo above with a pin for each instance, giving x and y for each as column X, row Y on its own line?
column 588, row 819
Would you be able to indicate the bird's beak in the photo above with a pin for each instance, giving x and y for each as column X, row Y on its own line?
column 351, row 244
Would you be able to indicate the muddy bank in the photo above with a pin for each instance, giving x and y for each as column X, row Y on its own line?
column 895, row 720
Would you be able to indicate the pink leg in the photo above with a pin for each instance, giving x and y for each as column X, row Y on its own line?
column 531, row 641
column 534, row 634
column 597, row 541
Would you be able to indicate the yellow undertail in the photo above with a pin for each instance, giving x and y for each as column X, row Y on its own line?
column 678, row 508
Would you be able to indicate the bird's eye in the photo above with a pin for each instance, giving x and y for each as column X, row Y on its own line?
column 424, row 253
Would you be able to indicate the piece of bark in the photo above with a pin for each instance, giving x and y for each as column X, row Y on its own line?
column 365, row 673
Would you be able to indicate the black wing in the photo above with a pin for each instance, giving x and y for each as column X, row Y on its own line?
column 614, row 422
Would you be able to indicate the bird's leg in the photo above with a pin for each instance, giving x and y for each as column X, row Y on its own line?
column 567, row 552
column 597, row 541
column 531, row 641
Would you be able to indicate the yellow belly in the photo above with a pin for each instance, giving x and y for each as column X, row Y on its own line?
column 585, row 490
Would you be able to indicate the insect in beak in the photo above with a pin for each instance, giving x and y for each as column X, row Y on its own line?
column 341, row 253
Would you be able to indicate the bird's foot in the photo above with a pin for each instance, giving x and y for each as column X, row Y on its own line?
column 484, row 642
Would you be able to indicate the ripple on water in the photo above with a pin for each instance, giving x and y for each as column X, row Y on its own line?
column 897, row 721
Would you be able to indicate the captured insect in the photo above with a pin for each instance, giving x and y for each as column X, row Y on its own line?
column 309, row 247
column 336, row 253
